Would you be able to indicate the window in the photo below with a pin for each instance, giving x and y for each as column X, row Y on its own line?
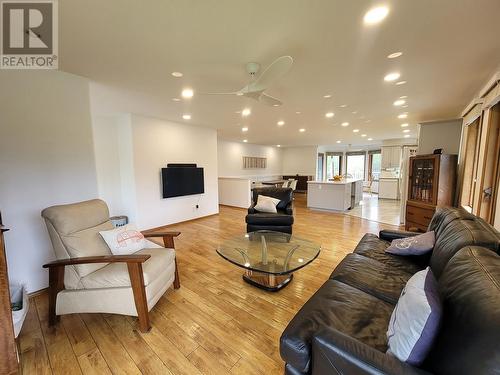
column 333, row 164
column 319, row 167
column 356, row 165
column 374, row 164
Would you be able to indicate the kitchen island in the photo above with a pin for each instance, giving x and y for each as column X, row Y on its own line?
column 334, row 195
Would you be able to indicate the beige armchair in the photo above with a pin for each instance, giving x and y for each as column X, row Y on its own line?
column 87, row 277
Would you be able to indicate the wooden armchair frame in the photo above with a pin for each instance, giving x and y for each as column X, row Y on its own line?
column 134, row 266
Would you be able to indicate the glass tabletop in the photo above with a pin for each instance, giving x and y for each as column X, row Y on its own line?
column 269, row 252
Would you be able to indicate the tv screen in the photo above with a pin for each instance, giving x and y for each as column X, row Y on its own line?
column 179, row 181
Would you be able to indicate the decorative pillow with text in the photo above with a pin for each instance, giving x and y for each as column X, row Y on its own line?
column 417, row 245
column 124, row 240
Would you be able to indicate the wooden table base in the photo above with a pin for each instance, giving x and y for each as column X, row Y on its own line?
column 266, row 281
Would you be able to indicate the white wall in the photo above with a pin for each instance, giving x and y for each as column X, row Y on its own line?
column 440, row 134
column 157, row 143
column 230, row 159
column 46, row 158
column 130, row 152
column 300, row 160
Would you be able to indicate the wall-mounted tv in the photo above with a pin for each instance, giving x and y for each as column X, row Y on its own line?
column 182, row 179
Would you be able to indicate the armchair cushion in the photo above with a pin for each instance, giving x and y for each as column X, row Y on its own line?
column 116, row 274
column 87, row 243
column 262, row 218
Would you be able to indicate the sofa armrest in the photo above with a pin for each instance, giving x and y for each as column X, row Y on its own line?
column 336, row 353
column 389, row 235
column 289, row 208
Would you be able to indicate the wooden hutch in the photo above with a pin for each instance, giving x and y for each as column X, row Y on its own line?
column 431, row 184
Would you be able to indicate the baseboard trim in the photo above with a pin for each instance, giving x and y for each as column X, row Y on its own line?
column 179, row 222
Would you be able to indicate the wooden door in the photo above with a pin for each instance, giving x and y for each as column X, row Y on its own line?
column 488, row 190
column 8, row 355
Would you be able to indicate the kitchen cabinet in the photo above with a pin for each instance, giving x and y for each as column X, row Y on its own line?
column 388, row 188
column 391, row 157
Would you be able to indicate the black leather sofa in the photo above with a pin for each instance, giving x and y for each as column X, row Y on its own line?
column 281, row 221
column 342, row 328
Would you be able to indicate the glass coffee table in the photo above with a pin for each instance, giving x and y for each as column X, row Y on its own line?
column 269, row 258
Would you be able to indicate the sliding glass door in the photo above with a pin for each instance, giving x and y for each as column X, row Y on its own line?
column 333, row 164
column 356, row 165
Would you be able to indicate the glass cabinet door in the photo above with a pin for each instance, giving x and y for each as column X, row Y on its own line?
column 422, row 180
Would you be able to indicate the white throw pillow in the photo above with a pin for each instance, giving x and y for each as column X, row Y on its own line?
column 266, row 204
column 416, row 319
column 124, row 240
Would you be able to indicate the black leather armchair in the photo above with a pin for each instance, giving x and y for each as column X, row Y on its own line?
column 281, row 221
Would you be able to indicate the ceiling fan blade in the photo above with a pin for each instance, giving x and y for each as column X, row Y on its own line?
column 273, row 72
column 220, row 93
column 269, row 100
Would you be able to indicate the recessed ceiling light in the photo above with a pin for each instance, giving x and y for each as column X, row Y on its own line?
column 186, row 116
column 281, row 123
column 246, row 112
column 345, row 124
column 343, row 105
column 399, row 102
column 403, row 115
column 278, row 145
column 239, row 93
column 244, row 129
column 302, row 130
column 400, row 83
column 327, row 96
column 298, row 112
column 394, row 55
column 406, row 131
column 407, row 136
column 370, row 139
column 187, row 93
column 392, row 77
column 177, row 74
column 355, row 130
column 245, row 140
column 403, row 97
column 375, row 15
column 363, row 135
column 354, row 112
column 176, row 99
column 329, row 114
column 404, row 125
column 339, row 141
column 405, row 106
column 276, row 105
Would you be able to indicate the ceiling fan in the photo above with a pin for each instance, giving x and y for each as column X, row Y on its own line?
column 257, row 87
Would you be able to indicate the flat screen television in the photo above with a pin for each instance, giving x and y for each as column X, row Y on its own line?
column 179, row 181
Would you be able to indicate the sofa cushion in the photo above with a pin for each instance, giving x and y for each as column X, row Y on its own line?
column 340, row 307
column 263, row 218
column 371, row 276
column 470, row 291
column 373, row 247
column 116, row 274
column 445, row 215
column 456, row 235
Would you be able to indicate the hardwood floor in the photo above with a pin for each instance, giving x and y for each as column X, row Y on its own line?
column 214, row 324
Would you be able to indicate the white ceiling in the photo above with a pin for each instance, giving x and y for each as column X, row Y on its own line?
column 129, row 48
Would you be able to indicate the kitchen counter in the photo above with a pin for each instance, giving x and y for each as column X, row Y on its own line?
column 334, row 195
